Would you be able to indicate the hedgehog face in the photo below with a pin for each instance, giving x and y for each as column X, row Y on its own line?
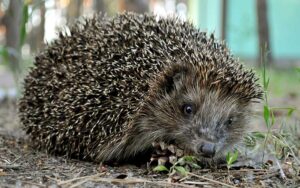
column 203, row 120
column 209, row 124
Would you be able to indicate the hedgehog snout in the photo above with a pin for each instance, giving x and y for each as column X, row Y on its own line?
column 207, row 143
column 207, row 149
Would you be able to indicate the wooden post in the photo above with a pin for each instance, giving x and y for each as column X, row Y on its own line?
column 263, row 32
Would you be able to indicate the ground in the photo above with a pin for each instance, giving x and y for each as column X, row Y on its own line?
column 23, row 166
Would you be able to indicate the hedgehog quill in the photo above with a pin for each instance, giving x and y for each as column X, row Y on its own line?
column 112, row 86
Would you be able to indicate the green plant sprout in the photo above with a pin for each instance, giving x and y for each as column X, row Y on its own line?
column 181, row 166
column 231, row 158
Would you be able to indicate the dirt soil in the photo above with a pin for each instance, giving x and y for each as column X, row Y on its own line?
column 23, row 166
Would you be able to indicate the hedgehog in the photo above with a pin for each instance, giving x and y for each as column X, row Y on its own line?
column 110, row 87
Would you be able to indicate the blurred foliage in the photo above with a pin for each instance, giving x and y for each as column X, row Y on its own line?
column 6, row 52
column 25, row 18
column 284, row 82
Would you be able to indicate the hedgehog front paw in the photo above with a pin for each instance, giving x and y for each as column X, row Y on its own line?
column 165, row 154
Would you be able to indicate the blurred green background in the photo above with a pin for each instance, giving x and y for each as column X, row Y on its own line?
column 255, row 31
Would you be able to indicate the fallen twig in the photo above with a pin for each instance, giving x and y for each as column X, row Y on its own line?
column 211, row 180
column 96, row 178
column 79, row 183
column 31, row 183
column 79, row 178
column 53, row 179
column 281, row 172
column 196, row 183
column 14, row 167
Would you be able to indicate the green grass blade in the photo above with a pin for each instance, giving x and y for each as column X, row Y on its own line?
column 267, row 116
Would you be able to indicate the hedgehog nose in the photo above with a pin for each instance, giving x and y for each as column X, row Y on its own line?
column 207, row 149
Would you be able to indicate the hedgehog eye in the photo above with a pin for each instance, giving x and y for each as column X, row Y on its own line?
column 229, row 121
column 188, row 109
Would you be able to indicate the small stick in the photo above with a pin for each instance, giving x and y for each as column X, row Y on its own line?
column 130, row 181
column 14, row 167
column 196, row 183
column 53, row 179
column 248, row 170
column 282, row 175
column 79, row 178
column 211, row 180
column 173, row 184
column 80, row 183
column 31, row 183
column 17, row 159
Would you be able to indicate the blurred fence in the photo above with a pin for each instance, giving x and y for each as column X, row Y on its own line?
column 249, row 26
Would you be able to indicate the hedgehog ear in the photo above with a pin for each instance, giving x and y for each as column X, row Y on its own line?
column 173, row 79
